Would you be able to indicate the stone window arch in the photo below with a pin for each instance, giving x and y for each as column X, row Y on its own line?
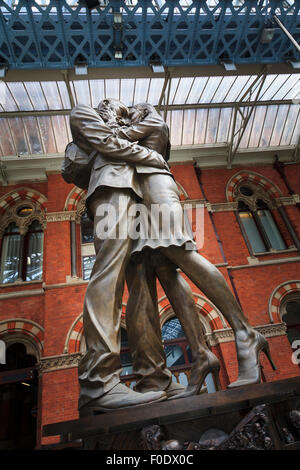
column 22, row 234
column 255, row 208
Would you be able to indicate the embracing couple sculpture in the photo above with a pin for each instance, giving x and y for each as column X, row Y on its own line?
column 120, row 154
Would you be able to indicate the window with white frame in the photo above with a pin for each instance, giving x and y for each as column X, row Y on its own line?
column 22, row 244
column 256, row 219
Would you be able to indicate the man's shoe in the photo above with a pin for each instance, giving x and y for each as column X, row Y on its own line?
column 118, row 397
column 174, row 389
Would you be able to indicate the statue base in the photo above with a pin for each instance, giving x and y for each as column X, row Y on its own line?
column 263, row 416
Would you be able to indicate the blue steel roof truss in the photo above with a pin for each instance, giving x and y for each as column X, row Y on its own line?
column 59, row 35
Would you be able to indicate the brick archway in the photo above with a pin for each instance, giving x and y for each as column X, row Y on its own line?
column 75, row 334
column 255, row 178
column 19, row 194
column 73, row 198
column 277, row 296
column 26, row 328
column 207, row 310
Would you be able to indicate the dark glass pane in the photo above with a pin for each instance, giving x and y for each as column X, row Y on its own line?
column 172, row 329
column 12, row 228
column 87, row 229
column 271, row 229
column 10, row 255
column 25, row 211
column 292, row 320
column 34, row 261
column 252, row 232
column 87, row 266
column 126, row 359
column 246, row 191
column 174, row 353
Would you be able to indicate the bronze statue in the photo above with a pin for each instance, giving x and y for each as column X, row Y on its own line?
column 121, row 168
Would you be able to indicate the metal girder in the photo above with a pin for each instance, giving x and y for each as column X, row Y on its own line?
column 203, row 32
column 238, row 131
column 165, row 107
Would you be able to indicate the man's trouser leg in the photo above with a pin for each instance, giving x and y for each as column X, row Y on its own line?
column 99, row 369
column 143, row 327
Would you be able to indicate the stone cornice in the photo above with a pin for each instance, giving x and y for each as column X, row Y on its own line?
column 226, row 335
column 67, row 361
column 64, row 361
column 60, row 216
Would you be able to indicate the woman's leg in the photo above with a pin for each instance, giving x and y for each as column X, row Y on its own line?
column 211, row 282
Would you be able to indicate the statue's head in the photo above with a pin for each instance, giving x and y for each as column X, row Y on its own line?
column 113, row 110
column 139, row 111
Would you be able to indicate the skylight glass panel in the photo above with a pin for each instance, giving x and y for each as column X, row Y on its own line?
column 60, row 132
column 112, row 88
column 155, row 89
column 20, row 96
column 97, row 91
column 275, row 85
column 64, row 95
column 247, row 132
column 296, row 133
column 6, row 141
column 239, row 87
column 224, row 125
column 141, row 90
column 223, row 89
column 33, row 135
column 52, row 95
column 37, row 96
column 210, row 89
column 18, row 134
column 196, row 90
column 82, row 92
column 256, row 130
column 268, row 126
column 290, row 89
column 212, row 125
column 7, row 103
column 188, row 127
column 182, row 90
column 279, row 125
column 127, row 91
column 47, row 134
column 289, row 125
column 200, row 126
column 176, row 127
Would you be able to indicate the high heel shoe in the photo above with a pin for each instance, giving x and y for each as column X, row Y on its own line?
column 198, row 374
column 248, row 360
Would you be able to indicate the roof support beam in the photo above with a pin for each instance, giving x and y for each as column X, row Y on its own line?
column 163, row 107
column 237, row 133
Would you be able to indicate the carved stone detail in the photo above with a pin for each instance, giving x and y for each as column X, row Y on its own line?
column 61, row 216
column 23, row 223
column 65, row 361
column 222, row 206
column 226, row 335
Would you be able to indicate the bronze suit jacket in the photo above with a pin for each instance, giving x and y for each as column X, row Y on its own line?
column 118, row 161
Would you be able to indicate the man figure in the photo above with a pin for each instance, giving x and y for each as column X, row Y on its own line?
column 114, row 177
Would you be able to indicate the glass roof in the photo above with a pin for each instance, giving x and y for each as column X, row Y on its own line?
column 200, row 110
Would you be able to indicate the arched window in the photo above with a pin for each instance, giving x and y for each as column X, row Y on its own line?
column 290, row 312
column 18, row 399
column 257, row 221
column 87, row 245
column 178, row 353
column 22, row 253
